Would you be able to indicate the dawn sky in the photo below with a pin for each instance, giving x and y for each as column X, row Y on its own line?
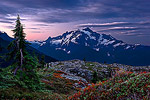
column 127, row 20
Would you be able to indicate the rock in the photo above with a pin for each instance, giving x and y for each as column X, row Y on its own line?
column 81, row 69
column 73, row 77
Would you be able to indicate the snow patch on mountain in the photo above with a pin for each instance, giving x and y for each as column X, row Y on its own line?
column 109, row 42
column 56, row 42
column 118, row 44
column 68, row 52
column 64, row 49
column 66, row 40
column 127, row 47
column 137, row 44
column 35, row 42
column 89, row 34
column 74, row 39
column 97, row 49
column 108, row 54
column 100, row 39
column 61, row 49
column 86, row 44
column 104, row 41
column 42, row 43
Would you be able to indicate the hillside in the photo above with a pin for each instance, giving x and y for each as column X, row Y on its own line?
column 4, row 42
column 73, row 80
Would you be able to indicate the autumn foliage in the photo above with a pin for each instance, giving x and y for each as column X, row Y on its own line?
column 124, row 85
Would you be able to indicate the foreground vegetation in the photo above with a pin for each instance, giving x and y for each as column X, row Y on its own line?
column 121, row 86
column 11, row 87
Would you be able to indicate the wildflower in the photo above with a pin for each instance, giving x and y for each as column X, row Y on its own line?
column 93, row 85
column 84, row 90
column 100, row 83
column 79, row 93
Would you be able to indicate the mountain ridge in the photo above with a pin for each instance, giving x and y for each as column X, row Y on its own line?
column 92, row 46
column 4, row 42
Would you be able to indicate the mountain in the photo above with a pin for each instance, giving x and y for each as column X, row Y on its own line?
column 4, row 36
column 36, row 44
column 93, row 46
column 5, row 40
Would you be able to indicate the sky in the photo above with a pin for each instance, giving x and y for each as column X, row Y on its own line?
column 127, row 20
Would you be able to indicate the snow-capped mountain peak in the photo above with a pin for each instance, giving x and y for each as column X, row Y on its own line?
column 85, row 43
column 85, row 37
column 89, row 34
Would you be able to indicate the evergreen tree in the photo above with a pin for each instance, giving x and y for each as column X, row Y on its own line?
column 42, row 62
column 84, row 59
column 95, row 77
column 24, row 65
column 0, row 48
column 18, row 46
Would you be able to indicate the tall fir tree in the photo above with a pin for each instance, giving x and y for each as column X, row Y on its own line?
column 24, row 65
column 95, row 77
column 18, row 46
column 0, row 48
column 42, row 62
